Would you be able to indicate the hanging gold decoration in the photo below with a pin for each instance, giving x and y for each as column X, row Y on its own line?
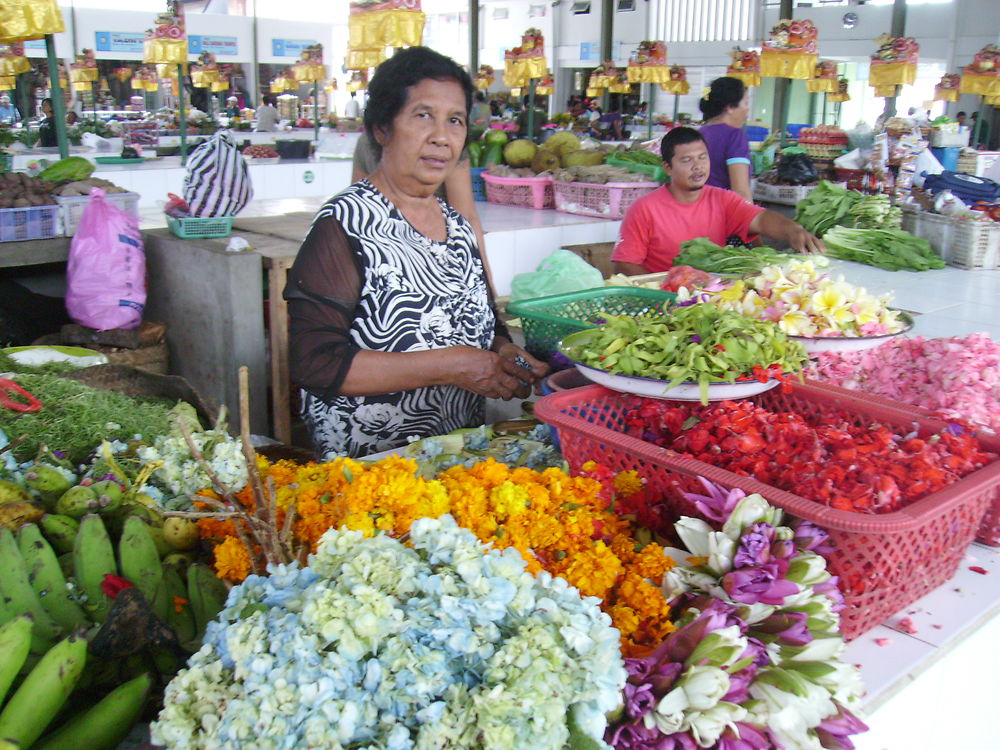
column 167, row 43
column 21, row 20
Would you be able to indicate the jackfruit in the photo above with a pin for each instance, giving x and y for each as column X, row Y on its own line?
column 519, row 153
column 544, row 161
column 583, row 158
column 562, row 142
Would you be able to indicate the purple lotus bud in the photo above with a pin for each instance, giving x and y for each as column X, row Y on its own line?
column 739, row 685
column 833, row 731
column 811, row 537
column 635, row 736
column 832, row 591
column 757, row 651
column 749, row 738
column 790, row 627
column 783, row 548
column 639, row 700
column 754, row 546
column 765, row 584
column 662, row 680
column 718, row 503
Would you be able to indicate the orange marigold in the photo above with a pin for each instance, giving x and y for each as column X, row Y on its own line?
column 232, row 560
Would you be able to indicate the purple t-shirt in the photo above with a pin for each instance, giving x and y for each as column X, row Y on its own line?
column 726, row 145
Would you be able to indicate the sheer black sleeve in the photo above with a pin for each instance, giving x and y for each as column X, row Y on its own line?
column 323, row 289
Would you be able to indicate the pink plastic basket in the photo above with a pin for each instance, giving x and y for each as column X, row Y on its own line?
column 608, row 201
column 526, row 192
column 884, row 562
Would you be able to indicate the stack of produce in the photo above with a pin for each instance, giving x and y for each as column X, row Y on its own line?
column 260, row 151
column 803, row 301
column 523, row 158
column 830, row 205
column 696, row 343
column 957, row 378
column 823, row 142
column 67, row 178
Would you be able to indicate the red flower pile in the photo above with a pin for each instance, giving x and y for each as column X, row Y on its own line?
column 827, row 458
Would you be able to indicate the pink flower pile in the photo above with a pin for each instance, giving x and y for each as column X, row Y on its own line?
column 957, row 378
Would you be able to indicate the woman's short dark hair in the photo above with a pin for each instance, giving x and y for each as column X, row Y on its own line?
column 390, row 85
column 677, row 137
column 725, row 92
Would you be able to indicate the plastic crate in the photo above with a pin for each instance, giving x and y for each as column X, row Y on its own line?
column 6, row 162
column 526, row 192
column 655, row 172
column 884, row 562
column 976, row 162
column 756, row 133
column 940, row 139
column 547, row 320
column 31, row 223
column 793, row 129
column 478, row 186
column 975, row 245
column 193, row 228
column 72, row 208
column 989, row 530
column 788, row 195
column 608, row 201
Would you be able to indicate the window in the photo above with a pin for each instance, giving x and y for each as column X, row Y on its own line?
column 580, row 7
column 705, row 20
column 626, row 5
column 500, row 14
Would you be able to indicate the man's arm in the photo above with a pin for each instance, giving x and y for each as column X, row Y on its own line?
column 775, row 225
column 629, row 269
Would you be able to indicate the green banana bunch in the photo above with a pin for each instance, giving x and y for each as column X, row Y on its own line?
column 206, row 596
column 47, row 482
column 18, row 596
column 109, row 495
column 179, row 616
column 77, row 501
column 60, row 531
column 10, row 493
column 47, row 579
column 139, row 561
column 43, row 692
column 104, row 725
column 15, row 642
column 93, row 558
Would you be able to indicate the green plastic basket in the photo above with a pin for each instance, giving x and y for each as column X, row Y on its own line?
column 653, row 171
column 546, row 320
column 201, row 228
column 6, row 162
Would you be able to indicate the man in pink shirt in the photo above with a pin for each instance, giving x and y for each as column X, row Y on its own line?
column 656, row 224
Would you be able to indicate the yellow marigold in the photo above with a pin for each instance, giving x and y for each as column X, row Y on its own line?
column 628, row 482
column 232, row 561
column 624, row 618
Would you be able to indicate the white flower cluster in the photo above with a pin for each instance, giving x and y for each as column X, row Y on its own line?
column 181, row 476
column 448, row 643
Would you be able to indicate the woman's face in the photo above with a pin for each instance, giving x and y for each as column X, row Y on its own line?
column 427, row 135
column 47, row 109
column 742, row 110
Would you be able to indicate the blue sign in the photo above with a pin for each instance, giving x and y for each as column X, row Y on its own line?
column 119, row 41
column 589, row 50
column 289, row 47
column 35, row 44
column 217, row 45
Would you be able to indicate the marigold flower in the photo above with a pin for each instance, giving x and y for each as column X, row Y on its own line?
column 232, row 560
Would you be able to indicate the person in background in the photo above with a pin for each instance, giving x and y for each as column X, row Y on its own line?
column 594, row 112
column 232, row 106
column 8, row 112
column 960, row 118
column 47, row 126
column 267, row 116
column 609, row 127
column 480, row 115
column 687, row 207
column 352, row 109
column 72, row 118
column 541, row 116
column 394, row 332
column 725, row 107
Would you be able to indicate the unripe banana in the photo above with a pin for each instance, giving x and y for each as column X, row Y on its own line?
column 60, row 531
column 181, row 561
column 47, row 482
column 15, row 642
column 150, row 515
column 179, row 617
column 140, row 563
column 19, row 597
column 104, row 725
column 162, row 546
column 44, row 691
column 10, row 492
column 47, row 579
column 207, row 595
column 17, row 512
column 93, row 558
column 77, row 501
column 109, row 495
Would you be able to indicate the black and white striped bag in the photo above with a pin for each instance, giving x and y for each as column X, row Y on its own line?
column 217, row 181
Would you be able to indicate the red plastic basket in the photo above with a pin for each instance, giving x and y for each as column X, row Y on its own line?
column 608, row 201
column 989, row 531
column 884, row 562
column 526, row 192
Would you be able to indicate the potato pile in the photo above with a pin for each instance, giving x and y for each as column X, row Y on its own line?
column 78, row 188
column 18, row 190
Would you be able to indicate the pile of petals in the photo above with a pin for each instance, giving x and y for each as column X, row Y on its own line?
column 825, row 457
column 957, row 378
column 443, row 643
column 803, row 301
column 559, row 523
column 755, row 663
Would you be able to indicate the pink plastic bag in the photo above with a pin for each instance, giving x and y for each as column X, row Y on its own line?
column 106, row 274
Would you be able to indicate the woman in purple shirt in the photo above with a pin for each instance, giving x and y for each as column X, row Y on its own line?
column 726, row 107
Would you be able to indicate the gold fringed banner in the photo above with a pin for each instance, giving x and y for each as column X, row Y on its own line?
column 785, row 64
column 545, row 90
column 516, row 91
column 822, row 85
column 167, row 70
column 83, row 86
column 620, row 88
column 363, row 59
column 21, row 20
column 386, row 28
column 593, row 92
column 980, row 84
column 749, row 77
column 13, row 66
column 839, row 98
column 199, row 80
column 887, row 91
column 676, row 87
column 308, row 72
column 7, row 83
column 531, row 67
column 891, row 74
column 648, row 74
column 600, row 82
column 84, row 75
column 219, row 86
column 163, row 50
column 946, row 95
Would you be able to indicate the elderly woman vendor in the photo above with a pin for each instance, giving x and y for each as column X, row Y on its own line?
column 393, row 327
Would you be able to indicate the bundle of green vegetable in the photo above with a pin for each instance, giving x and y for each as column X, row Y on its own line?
column 639, row 156
column 891, row 249
column 704, row 254
column 695, row 344
column 829, row 205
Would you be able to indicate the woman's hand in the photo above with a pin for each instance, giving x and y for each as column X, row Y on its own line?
column 517, row 362
column 487, row 373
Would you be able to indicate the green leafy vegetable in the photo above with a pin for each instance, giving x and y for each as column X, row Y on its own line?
column 697, row 343
column 891, row 249
column 829, row 205
column 704, row 254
